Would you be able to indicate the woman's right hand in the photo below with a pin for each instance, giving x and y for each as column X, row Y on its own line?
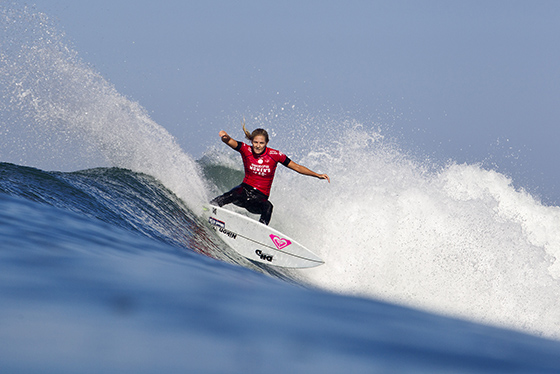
column 228, row 140
column 225, row 137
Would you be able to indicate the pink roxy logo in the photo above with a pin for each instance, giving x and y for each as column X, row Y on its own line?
column 280, row 242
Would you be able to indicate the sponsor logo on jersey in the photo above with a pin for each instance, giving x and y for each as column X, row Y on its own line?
column 261, row 170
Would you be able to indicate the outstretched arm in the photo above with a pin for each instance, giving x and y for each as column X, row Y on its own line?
column 305, row 171
column 228, row 139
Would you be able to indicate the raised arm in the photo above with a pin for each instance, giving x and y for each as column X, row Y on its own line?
column 305, row 171
column 228, row 139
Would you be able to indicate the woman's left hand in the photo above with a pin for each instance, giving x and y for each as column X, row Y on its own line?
column 324, row 176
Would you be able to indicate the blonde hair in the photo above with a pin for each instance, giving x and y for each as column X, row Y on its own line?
column 250, row 136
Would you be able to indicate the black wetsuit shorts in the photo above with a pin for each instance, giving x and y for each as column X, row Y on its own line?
column 249, row 198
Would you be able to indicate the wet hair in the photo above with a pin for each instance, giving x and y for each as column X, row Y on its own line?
column 251, row 135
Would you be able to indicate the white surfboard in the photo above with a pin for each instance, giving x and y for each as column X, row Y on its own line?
column 257, row 241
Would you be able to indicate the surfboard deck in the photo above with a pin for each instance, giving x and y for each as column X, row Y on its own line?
column 258, row 242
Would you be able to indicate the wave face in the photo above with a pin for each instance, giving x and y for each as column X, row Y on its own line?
column 132, row 201
column 454, row 239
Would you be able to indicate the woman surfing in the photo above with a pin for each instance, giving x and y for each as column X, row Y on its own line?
column 260, row 164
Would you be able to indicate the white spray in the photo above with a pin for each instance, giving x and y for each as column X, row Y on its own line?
column 460, row 240
column 65, row 102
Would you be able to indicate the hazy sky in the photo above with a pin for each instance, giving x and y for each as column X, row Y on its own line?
column 465, row 80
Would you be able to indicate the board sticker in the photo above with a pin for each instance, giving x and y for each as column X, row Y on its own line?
column 280, row 242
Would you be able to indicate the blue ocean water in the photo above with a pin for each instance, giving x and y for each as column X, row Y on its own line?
column 106, row 271
column 108, row 268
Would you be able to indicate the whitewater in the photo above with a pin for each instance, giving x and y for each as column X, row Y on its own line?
column 430, row 267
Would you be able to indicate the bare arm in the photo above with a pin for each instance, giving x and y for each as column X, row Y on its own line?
column 305, row 171
column 228, row 139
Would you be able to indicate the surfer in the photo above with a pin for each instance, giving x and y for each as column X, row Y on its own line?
column 260, row 165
